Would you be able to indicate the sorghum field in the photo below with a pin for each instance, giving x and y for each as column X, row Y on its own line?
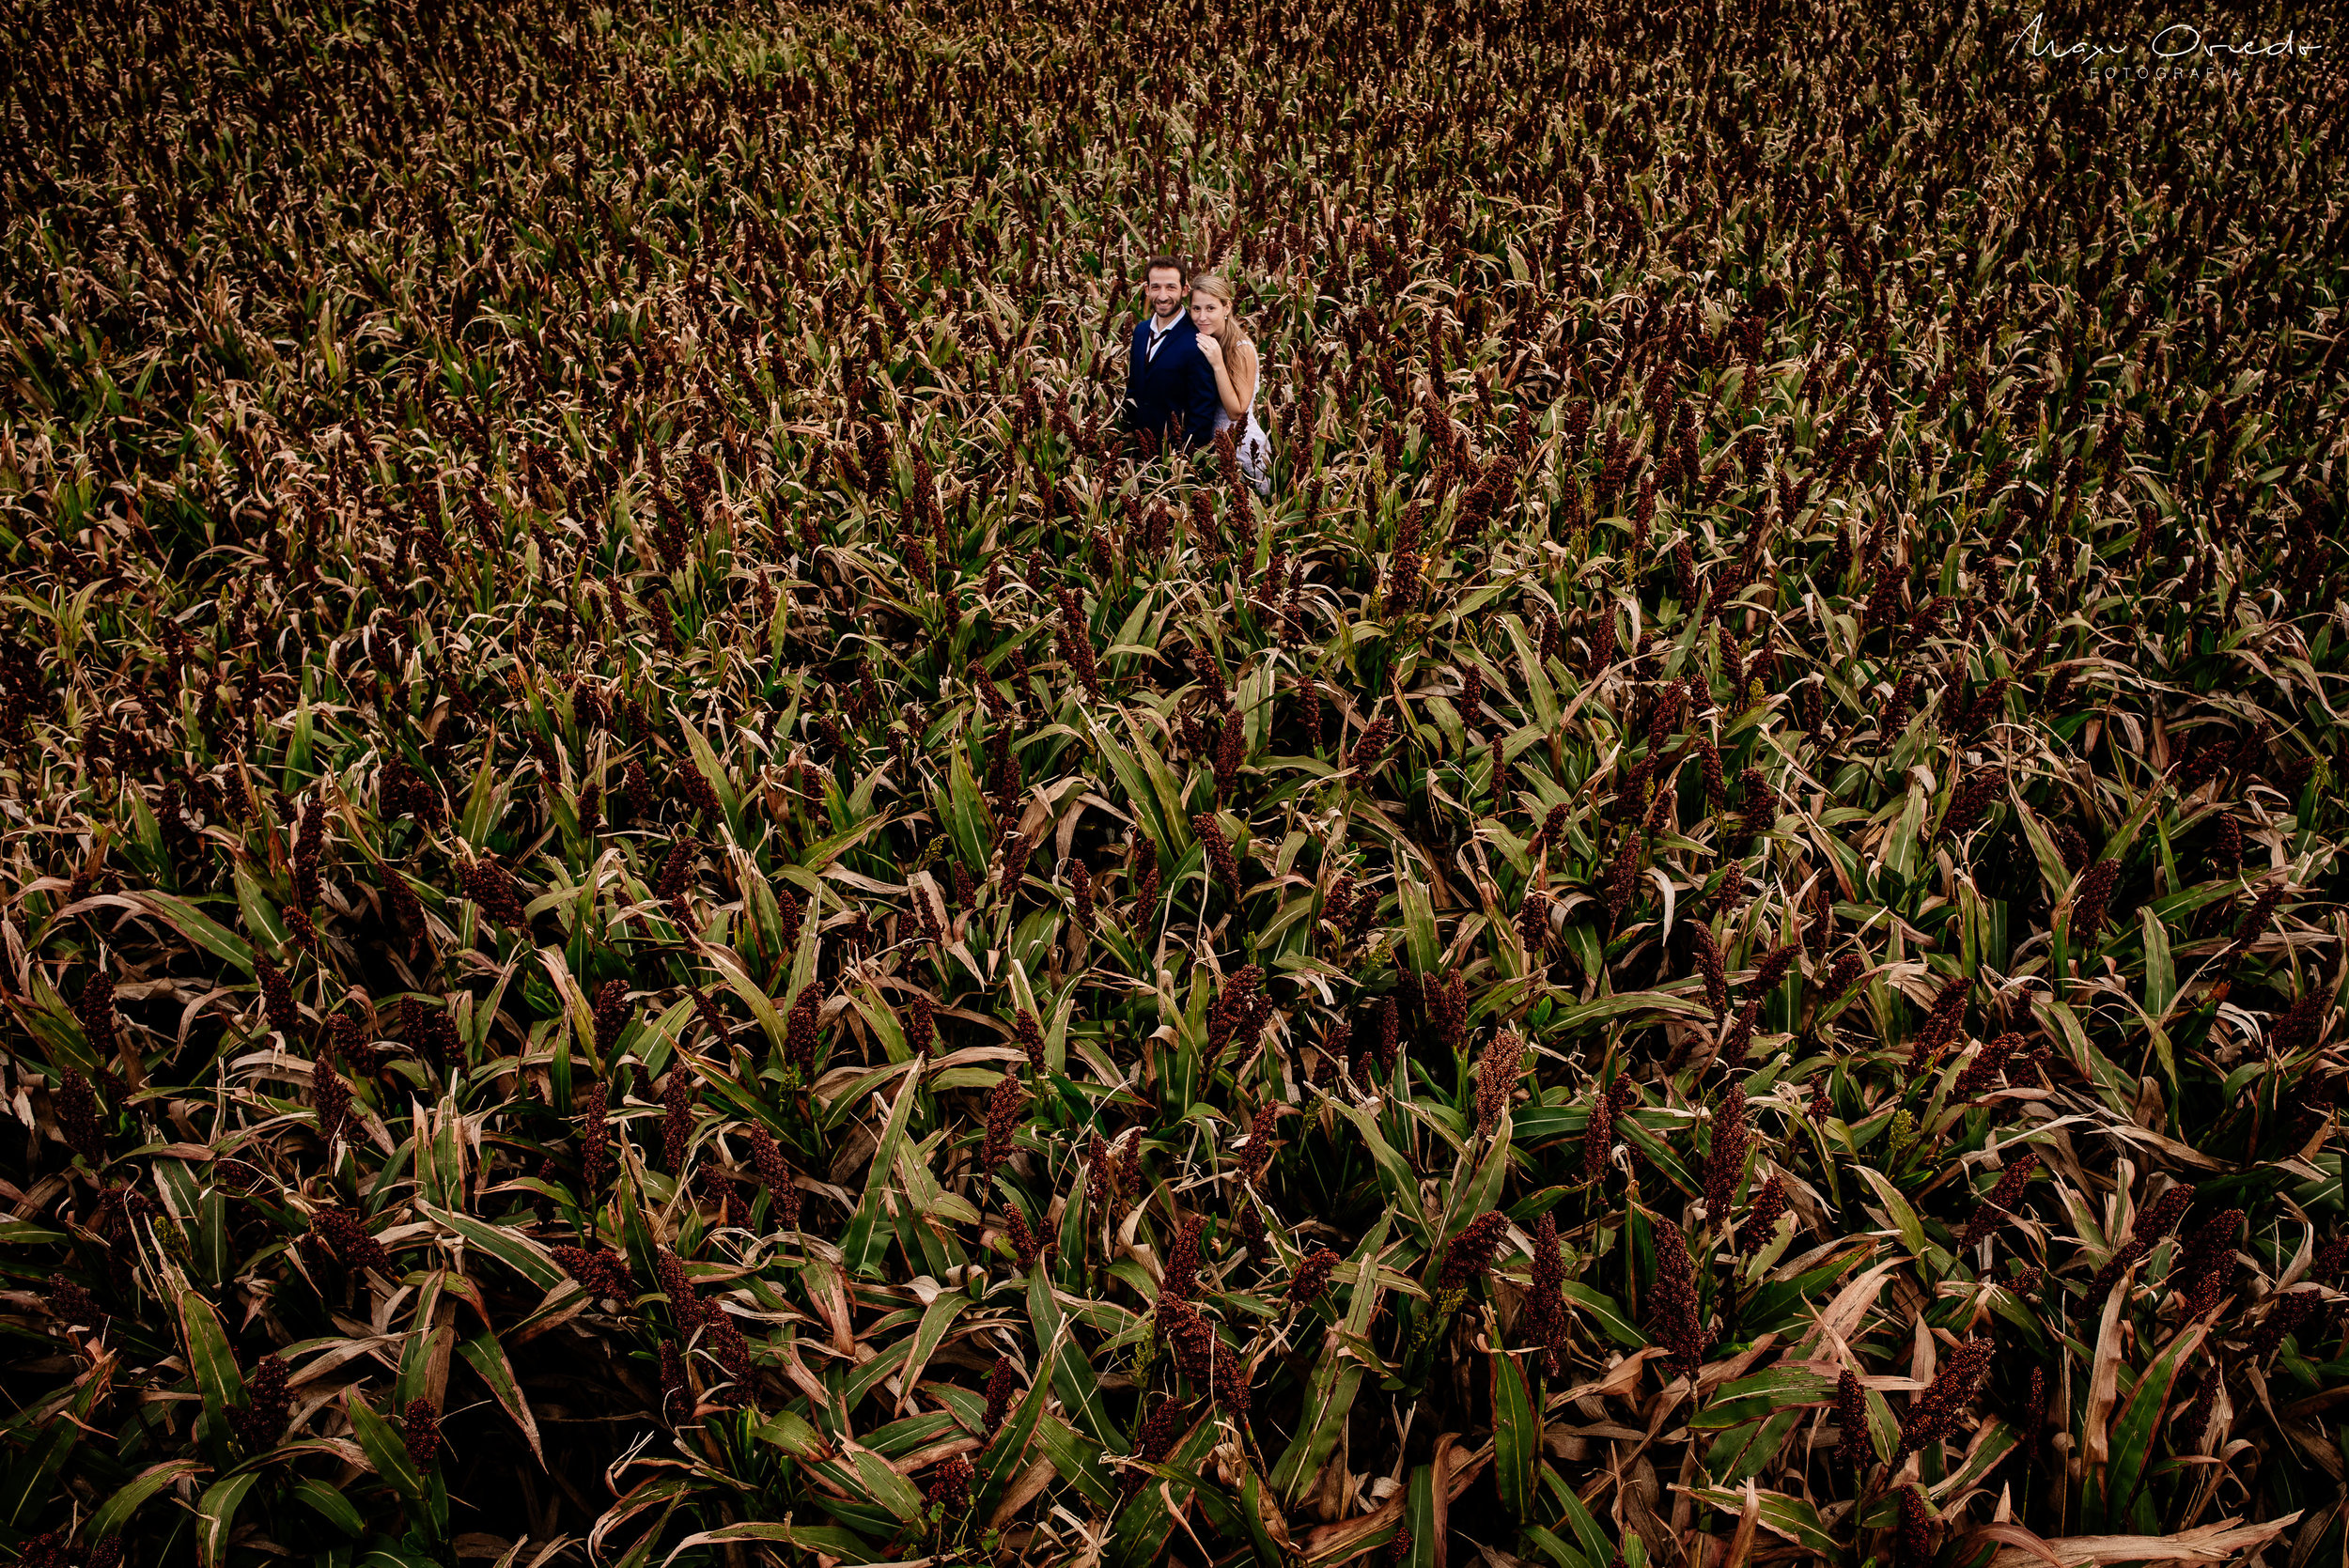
column 664, row 905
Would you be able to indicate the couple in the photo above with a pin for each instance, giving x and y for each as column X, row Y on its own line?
column 1193, row 371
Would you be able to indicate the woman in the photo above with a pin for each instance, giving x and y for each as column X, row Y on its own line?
column 1228, row 348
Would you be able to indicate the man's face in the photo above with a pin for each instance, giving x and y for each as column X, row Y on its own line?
column 1164, row 289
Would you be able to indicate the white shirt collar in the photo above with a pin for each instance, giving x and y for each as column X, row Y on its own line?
column 1158, row 332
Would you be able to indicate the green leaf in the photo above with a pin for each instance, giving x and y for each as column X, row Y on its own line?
column 1905, row 1220
column 1608, row 1314
column 1168, row 791
column 754, row 996
column 1395, row 1176
column 1663, row 1004
column 2054, row 876
column 966, row 814
column 1269, row 1554
column 1884, row 1428
column 1597, row 1546
column 1995, row 1442
column 721, row 783
column 488, row 1357
column 331, row 1505
column 1073, row 1377
column 1539, row 689
column 936, row 1318
column 211, row 1358
column 254, row 907
column 421, row 1346
column 1790, row 1518
column 441, row 1160
column 1751, row 1398
column 200, row 928
column 1556, row 1549
column 1484, row 1187
column 1900, row 847
column 31, row 1480
column 297, row 770
column 1782, row 1304
column 886, row 1486
column 1419, row 920
column 1330, row 1396
column 511, row 1247
column 217, row 1515
column 481, row 802
column 114, row 1516
column 1144, row 1524
column 791, row 1433
column 1419, row 1515
column 824, row 851
column 1747, row 1450
column 385, row 1449
column 2131, row 1444
column 998, row 1465
column 2161, row 979
column 1517, row 1437
column 2117, row 1088
column 1078, row 1462
column 859, row 1248
column 1135, row 786
column 874, row 1009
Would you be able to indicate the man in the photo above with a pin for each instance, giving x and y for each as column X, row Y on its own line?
column 1169, row 386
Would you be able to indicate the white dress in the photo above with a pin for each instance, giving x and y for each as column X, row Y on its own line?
column 1255, row 451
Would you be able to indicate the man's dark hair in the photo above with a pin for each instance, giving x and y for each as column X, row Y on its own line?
column 1182, row 268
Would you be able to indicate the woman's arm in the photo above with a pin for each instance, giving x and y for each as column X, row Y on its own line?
column 1248, row 373
column 1212, row 351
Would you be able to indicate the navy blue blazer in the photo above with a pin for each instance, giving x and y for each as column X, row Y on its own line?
column 1179, row 381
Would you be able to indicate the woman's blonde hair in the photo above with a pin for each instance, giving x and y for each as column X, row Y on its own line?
column 1214, row 285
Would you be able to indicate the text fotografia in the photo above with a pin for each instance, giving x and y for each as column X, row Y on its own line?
column 2181, row 49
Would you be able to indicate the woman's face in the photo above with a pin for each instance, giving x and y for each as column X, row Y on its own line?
column 1209, row 312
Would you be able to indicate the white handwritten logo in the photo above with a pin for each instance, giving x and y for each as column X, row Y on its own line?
column 2032, row 36
column 2178, row 40
column 2170, row 48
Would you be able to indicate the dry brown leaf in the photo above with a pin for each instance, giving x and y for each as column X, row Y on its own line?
column 1850, row 1305
column 2104, row 1381
column 2217, row 1543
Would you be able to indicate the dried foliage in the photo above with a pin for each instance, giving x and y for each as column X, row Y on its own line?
column 665, row 904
